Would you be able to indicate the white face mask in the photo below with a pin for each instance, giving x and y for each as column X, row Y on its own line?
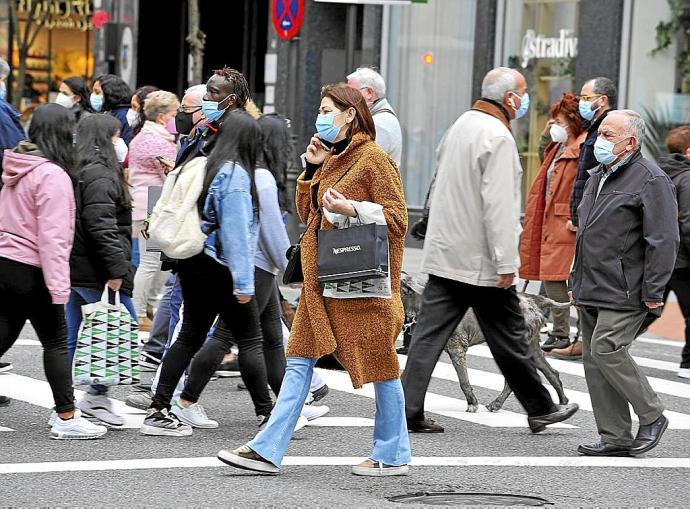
column 120, row 149
column 559, row 134
column 64, row 100
column 132, row 118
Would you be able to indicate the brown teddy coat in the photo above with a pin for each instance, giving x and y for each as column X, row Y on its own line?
column 360, row 333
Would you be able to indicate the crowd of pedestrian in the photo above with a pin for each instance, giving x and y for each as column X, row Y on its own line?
column 77, row 215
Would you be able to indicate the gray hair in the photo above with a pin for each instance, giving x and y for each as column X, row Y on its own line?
column 634, row 123
column 196, row 92
column 159, row 101
column 497, row 82
column 368, row 77
column 605, row 86
column 4, row 69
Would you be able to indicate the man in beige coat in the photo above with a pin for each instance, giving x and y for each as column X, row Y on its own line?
column 471, row 253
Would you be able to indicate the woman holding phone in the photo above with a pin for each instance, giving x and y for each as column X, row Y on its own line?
column 354, row 178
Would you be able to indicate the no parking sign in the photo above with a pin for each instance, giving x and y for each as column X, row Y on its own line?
column 287, row 17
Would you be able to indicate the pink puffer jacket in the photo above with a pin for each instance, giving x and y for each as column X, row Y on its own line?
column 37, row 218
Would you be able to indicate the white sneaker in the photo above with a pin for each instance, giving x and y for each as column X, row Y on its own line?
column 195, row 416
column 312, row 412
column 76, row 428
column 100, row 407
column 684, row 372
column 53, row 416
column 301, row 423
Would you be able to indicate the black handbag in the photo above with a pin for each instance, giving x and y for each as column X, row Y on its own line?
column 353, row 254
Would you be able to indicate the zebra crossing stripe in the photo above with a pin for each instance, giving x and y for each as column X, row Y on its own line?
column 438, row 404
column 307, row 461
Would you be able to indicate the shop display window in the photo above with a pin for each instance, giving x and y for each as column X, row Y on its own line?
column 538, row 38
column 429, row 79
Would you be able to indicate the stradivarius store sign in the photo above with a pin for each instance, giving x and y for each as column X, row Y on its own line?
column 535, row 46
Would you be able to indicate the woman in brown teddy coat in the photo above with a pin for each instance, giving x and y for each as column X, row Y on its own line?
column 347, row 176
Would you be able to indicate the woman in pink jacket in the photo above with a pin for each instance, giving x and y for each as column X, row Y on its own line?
column 155, row 140
column 36, row 234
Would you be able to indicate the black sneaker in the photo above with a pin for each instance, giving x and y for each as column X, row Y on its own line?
column 5, row 366
column 553, row 342
column 241, row 386
column 148, row 361
column 243, row 457
column 164, row 423
column 318, row 394
column 4, row 401
column 262, row 419
column 229, row 369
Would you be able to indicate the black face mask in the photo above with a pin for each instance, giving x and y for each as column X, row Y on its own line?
column 184, row 122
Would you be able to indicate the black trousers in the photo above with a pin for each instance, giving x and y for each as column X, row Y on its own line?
column 207, row 291
column 444, row 304
column 260, row 362
column 24, row 296
column 680, row 284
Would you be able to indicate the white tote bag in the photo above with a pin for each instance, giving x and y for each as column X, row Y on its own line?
column 175, row 225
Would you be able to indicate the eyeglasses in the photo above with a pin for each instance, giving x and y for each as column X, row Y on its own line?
column 188, row 109
column 590, row 97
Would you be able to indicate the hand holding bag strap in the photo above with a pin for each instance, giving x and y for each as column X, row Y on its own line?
column 105, row 297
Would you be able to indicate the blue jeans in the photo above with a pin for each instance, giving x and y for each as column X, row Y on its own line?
column 391, row 440
column 79, row 297
column 135, row 254
column 160, row 328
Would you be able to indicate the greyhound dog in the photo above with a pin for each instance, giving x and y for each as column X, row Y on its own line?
column 468, row 333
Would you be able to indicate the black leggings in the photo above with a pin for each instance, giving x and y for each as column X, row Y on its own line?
column 260, row 362
column 207, row 291
column 24, row 296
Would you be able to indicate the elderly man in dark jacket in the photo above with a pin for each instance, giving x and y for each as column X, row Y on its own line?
column 627, row 241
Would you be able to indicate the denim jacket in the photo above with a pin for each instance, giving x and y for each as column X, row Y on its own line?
column 230, row 221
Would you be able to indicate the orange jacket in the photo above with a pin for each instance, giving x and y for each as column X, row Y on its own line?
column 547, row 247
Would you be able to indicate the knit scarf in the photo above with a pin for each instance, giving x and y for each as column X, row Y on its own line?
column 494, row 109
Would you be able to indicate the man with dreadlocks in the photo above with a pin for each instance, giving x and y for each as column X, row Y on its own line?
column 226, row 90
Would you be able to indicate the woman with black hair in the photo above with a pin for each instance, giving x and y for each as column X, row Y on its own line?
column 113, row 96
column 36, row 234
column 102, row 250
column 74, row 95
column 136, row 116
column 220, row 280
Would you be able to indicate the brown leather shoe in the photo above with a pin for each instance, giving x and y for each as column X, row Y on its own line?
column 569, row 353
column 145, row 324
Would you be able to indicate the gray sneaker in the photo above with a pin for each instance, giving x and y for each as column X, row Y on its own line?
column 100, row 407
column 140, row 400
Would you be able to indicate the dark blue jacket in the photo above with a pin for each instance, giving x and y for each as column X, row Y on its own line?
column 126, row 132
column 587, row 162
column 11, row 131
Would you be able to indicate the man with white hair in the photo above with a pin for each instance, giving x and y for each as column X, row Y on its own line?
column 373, row 88
column 11, row 130
column 627, row 241
column 471, row 254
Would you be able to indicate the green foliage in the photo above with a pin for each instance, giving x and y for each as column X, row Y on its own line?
column 678, row 25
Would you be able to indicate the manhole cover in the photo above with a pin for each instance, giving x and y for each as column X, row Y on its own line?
column 469, row 499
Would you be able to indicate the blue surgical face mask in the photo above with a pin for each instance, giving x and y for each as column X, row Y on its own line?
column 524, row 106
column 211, row 109
column 96, row 102
column 586, row 110
column 603, row 151
column 325, row 126
column 3, row 90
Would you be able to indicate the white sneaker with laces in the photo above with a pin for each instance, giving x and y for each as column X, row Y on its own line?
column 373, row 468
column 194, row 415
column 301, row 423
column 684, row 372
column 312, row 412
column 100, row 407
column 76, row 428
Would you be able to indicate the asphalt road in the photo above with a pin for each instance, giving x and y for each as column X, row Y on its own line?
column 478, row 453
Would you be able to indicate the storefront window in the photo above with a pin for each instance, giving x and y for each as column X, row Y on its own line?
column 429, row 78
column 539, row 38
